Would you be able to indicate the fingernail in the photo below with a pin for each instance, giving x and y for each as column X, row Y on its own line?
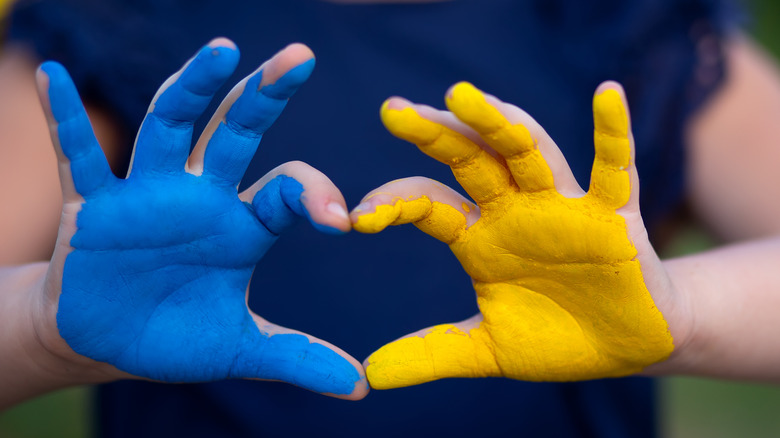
column 337, row 209
column 396, row 103
column 221, row 42
column 361, row 207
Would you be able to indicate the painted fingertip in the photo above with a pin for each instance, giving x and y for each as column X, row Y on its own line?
column 471, row 106
column 362, row 388
column 285, row 86
column 296, row 359
column 47, row 67
column 207, row 71
column 53, row 72
column 409, row 125
column 377, row 220
column 461, row 88
column 609, row 114
column 61, row 94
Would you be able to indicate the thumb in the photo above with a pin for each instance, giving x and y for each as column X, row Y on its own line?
column 277, row 353
column 449, row 350
column 295, row 189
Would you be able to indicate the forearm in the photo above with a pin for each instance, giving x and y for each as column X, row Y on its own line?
column 731, row 295
column 31, row 362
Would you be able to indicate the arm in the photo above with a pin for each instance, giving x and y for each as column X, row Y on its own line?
column 733, row 291
column 734, row 147
column 28, row 366
column 149, row 273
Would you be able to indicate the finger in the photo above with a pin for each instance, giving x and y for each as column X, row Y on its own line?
column 290, row 356
column 614, row 173
column 481, row 175
column 295, row 190
column 431, row 206
column 534, row 160
column 83, row 166
column 164, row 140
column 448, row 350
column 234, row 132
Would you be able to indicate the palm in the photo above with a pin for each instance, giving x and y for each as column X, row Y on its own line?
column 180, row 253
column 558, row 280
column 155, row 267
column 536, row 294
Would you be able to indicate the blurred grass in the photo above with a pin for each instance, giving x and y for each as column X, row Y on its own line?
column 61, row 414
column 690, row 408
column 700, row 408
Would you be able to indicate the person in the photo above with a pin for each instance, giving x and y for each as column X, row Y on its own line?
column 421, row 282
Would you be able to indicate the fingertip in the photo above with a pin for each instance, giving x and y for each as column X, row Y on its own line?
column 286, row 71
column 42, row 81
column 610, row 113
column 472, row 106
column 315, row 200
column 395, row 103
column 216, row 62
column 309, row 363
column 360, row 392
column 338, row 212
column 392, row 110
column 332, row 219
column 48, row 73
column 375, row 213
column 297, row 50
column 58, row 94
column 222, row 42
column 51, row 67
column 458, row 88
column 402, row 119
column 609, row 85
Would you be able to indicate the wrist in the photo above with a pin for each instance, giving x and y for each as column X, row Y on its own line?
column 35, row 359
column 66, row 364
column 677, row 309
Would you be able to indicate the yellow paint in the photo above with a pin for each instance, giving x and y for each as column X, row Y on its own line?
column 465, row 207
column 437, row 219
column 478, row 172
column 557, row 279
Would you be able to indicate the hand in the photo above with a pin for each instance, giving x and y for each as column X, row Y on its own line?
column 150, row 273
column 563, row 278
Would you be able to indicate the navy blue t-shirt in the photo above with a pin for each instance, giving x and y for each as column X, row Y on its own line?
column 358, row 291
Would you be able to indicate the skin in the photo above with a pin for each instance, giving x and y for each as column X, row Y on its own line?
column 138, row 260
column 559, row 280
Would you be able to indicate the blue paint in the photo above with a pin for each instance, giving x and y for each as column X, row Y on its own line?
column 165, row 136
column 156, row 280
column 279, row 204
column 235, row 141
column 88, row 165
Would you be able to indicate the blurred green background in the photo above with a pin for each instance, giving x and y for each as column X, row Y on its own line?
column 690, row 408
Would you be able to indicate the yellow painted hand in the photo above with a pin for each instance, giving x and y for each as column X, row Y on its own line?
column 557, row 273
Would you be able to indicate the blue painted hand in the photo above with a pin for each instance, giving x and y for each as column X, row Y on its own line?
column 155, row 267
